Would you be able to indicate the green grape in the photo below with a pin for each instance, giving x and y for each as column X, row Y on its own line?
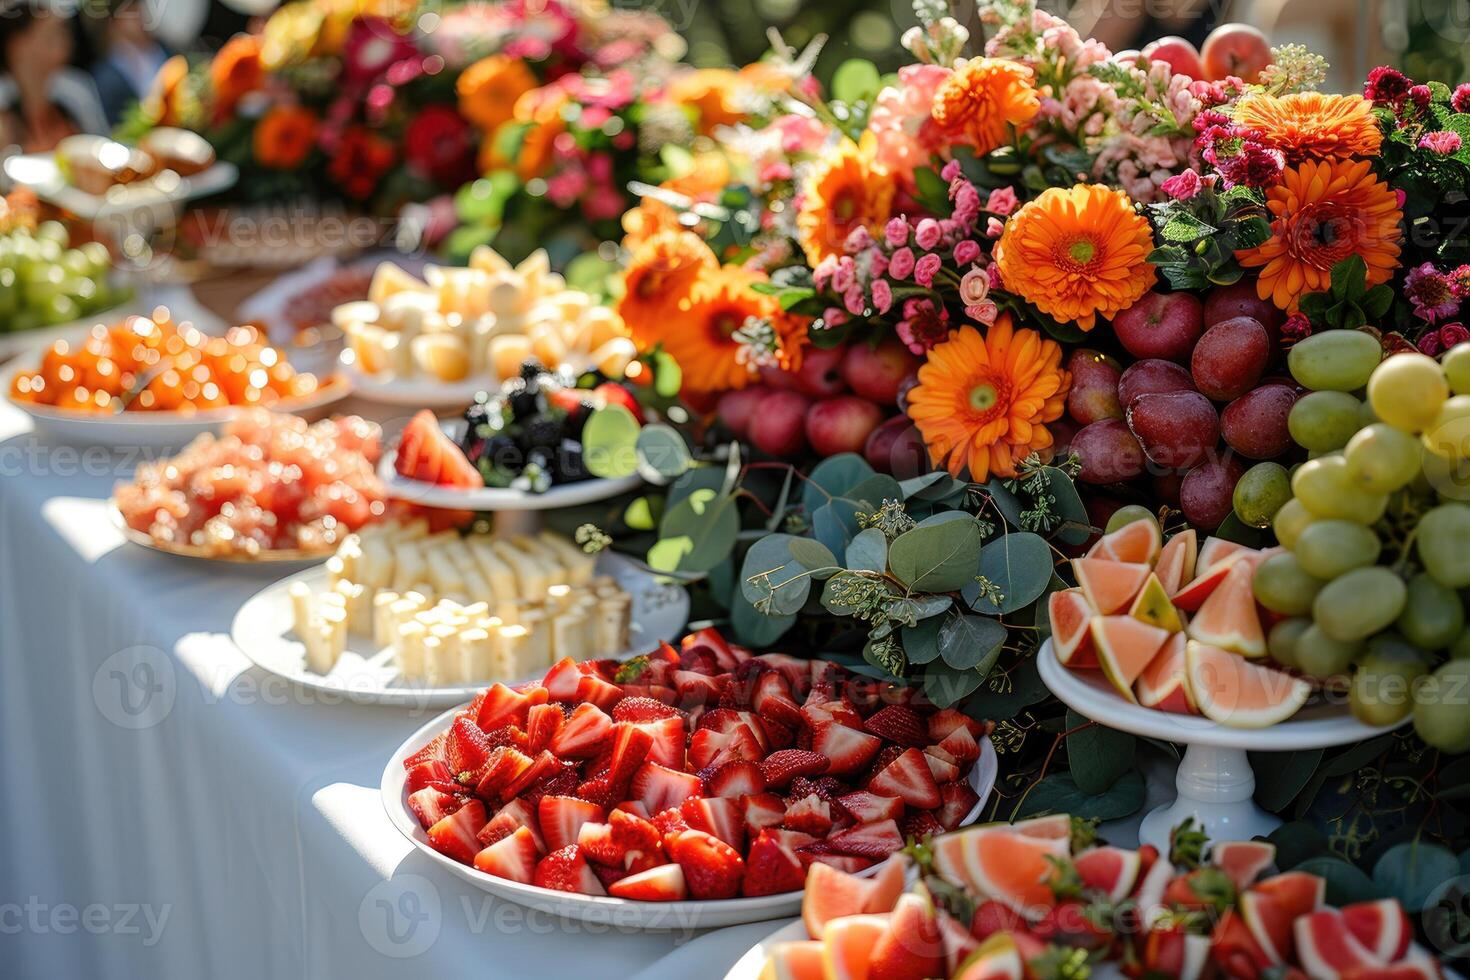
column 1456, row 366
column 1358, row 604
column 1324, row 488
column 1319, row 655
column 1443, row 543
column 1407, row 391
column 1460, row 648
column 1329, row 548
column 1382, row 691
column 1281, row 641
column 1290, row 521
column 1127, row 514
column 1380, row 458
column 97, row 258
column 48, row 251
column 1366, row 416
column 1324, row 420
column 76, row 263
column 1449, row 436
column 1450, row 478
column 1283, row 586
column 52, row 231
column 1334, row 360
column 1442, row 707
column 59, row 309
column 1260, row 493
column 1433, row 616
column 9, row 295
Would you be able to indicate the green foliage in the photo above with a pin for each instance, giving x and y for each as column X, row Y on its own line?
column 1349, row 303
column 1199, row 237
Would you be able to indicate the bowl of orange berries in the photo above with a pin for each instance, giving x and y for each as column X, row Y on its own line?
column 151, row 381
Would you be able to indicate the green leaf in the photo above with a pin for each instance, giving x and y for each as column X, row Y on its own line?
column 1345, row 883
column 833, row 477
column 1185, row 227
column 1097, row 755
column 1021, row 686
column 755, row 629
column 642, row 513
column 937, row 558
column 1295, row 842
column 856, row 80
column 945, row 686
column 835, row 523
column 812, row 554
column 699, row 478
column 874, row 490
column 662, row 453
column 921, row 642
column 1412, row 871
column 1280, row 776
column 609, row 441
column 1020, row 564
column 1059, row 793
column 668, row 377
column 771, row 572
column 868, row 551
column 915, row 485
column 1069, row 507
column 696, row 534
column 971, row 642
column 930, row 187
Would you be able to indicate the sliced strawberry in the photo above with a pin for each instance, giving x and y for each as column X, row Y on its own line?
column 669, row 822
column 664, row 883
column 771, row 868
column 797, row 671
column 434, row 751
column 847, row 749
column 961, row 745
column 735, row 779
column 659, row 787
column 712, row 868
column 710, row 639
column 778, row 736
column 454, row 835
column 434, row 773
column 762, row 810
column 542, row 723
column 634, row 807
column 582, row 734
column 545, row 764
column 811, row 815
column 599, row 790
column 430, row 805
column 561, row 782
column 908, row 777
column 592, row 689
column 565, row 870
column 772, row 699
column 717, row 816
column 468, row 747
column 869, row 840
column 696, row 688
column 637, row 709
column 921, row 824
column 501, row 826
column 941, row 764
column 609, row 876
column 842, row 862
column 959, row 799
column 513, row 857
column 708, row 747
column 630, row 745
column 782, row 767
column 792, row 840
column 561, row 817
column 562, row 679
column 505, row 706
column 525, row 815
column 867, row 807
column 667, row 748
column 426, row 454
column 626, row 841
column 946, row 720
column 898, row 723
column 502, row 770
column 832, row 710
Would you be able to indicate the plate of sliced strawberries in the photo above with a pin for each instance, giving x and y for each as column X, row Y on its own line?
column 690, row 788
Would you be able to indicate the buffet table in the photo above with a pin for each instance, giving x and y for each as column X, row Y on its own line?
column 171, row 810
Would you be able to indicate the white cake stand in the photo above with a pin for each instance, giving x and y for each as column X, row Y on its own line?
column 1214, row 780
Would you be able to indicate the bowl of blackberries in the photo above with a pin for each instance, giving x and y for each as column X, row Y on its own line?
column 527, row 435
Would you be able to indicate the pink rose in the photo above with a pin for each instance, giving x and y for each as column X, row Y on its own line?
column 974, row 286
column 882, row 296
column 966, row 251
column 1183, row 186
column 896, row 232
column 927, row 234
column 901, row 265
column 855, row 301
column 1002, row 201
column 984, row 312
column 926, row 269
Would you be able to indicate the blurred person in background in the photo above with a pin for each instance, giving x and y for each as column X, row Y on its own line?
column 43, row 97
column 130, row 56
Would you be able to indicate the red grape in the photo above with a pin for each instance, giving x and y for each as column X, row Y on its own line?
column 1254, row 424
column 1230, row 358
column 1109, row 452
column 1150, row 376
column 1177, row 428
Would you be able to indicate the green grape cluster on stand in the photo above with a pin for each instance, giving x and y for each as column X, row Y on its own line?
column 1374, row 573
column 44, row 281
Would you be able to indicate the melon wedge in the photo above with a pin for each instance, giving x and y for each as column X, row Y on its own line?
column 1228, row 618
column 1125, row 647
column 1161, row 685
column 1237, row 693
column 1137, row 542
column 1071, row 638
column 1109, row 870
column 847, row 945
column 1177, row 560
column 1152, row 606
column 1013, row 868
column 1193, row 595
column 800, row 960
column 996, row 959
column 1109, row 585
column 831, row 894
column 1215, row 550
column 1055, row 826
column 1325, row 947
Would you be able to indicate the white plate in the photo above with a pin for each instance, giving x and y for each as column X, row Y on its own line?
column 619, row 913
column 366, row 673
column 278, row 561
column 39, row 173
column 154, row 430
column 749, row 966
column 416, row 392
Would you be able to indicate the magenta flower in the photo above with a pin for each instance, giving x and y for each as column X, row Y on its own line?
column 896, row 232
column 1460, row 100
column 923, row 325
column 1002, row 201
column 1182, row 186
column 1453, row 334
column 1445, row 142
column 901, row 264
column 926, row 269
column 1431, row 293
column 1387, row 86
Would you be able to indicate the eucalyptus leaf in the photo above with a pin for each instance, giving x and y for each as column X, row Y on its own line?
column 772, row 574
column 937, row 558
column 971, row 642
column 755, row 629
column 1345, row 883
column 921, row 642
column 944, row 685
column 1020, row 565
column 699, row 478
column 696, row 534
column 1280, row 776
column 1019, row 687
column 609, row 440
column 1076, row 527
column 668, row 378
column 643, row 513
column 1097, row 755
column 918, row 484
column 1059, row 793
column 868, row 551
column 1412, row 871
column 835, row 523
column 874, row 490
column 833, row 477
column 811, row 553
column 1005, row 501
column 662, row 453
column 1295, row 842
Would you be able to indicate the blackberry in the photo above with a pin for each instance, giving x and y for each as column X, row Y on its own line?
column 501, row 451
column 531, row 370
column 526, row 402
column 542, row 432
column 571, row 467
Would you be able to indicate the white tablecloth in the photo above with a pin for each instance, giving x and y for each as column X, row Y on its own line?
column 168, row 810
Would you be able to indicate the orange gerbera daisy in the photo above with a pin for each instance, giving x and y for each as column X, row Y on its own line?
column 662, row 273
column 163, row 103
column 284, row 136
column 489, row 88
column 1325, row 211
column 1076, row 252
column 235, row 72
column 711, row 93
column 982, row 403
column 982, row 98
column 847, row 189
column 1311, row 125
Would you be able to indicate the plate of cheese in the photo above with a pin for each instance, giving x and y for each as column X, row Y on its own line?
column 403, row 615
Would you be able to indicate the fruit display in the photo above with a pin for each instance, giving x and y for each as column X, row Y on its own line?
column 1376, row 533
column 313, row 306
column 1041, row 898
column 44, row 279
column 461, row 609
column 480, row 322
column 154, row 364
column 267, row 483
column 1173, row 626
column 701, row 772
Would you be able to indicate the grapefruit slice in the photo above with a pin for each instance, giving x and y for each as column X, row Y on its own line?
column 1325, row 947
column 1055, row 826
column 1125, row 646
column 1381, row 926
column 1176, row 953
column 1136, row 542
column 1176, row 561
column 959, row 942
column 912, row 947
column 1215, row 550
column 1239, row 694
column 1161, row 685
column 1296, row 891
column 847, row 945
column 1227, row 619
column 1110, row 870
column 795, row 961
column 1109, row 585
column 1071, row 639
column 1269, row 925
column 1232, row 941
column 831, row 894
column 1013, row 868
column 1152, row 606
column 1192, row 596
column 886, row 884
column 1244, row 860
column 996, row 959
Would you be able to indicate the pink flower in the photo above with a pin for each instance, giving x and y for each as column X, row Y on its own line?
column 966, row 251
column 896, row 232
column 1453, row 334
column 984, row 312
column 993, row 227
column 882, row 295
column 901, row 264
column 1182, row 186
column 855, row 301
column 1431, row 293
column 1460, row 101
column 1431, row 344
column 923, row 325
column 824, row 271
column 927, row 234
column 952, row 170
column 926, row 269
column 974, row 286
column 858, row 240
column 1386, row 86
column 907, row 135
column 1002, row 201
column 834, row 317
column 1445, row 142
column 966, row 203
column 843, row 276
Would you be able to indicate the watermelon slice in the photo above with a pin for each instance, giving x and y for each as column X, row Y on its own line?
column 1136, row 542
column 1125, row 647
column 1176, row 561
column 1381, row 926
column 1071, row 639
column 1244, row 860
column 1152, row 606
column 1192, row 596
column 1109, row 870
column 426, row 454
column 1325, row 946
column 1297, row 892
column 1236, row 693
column 996, row 861
column 1161, row 685
column 1227, row 619
column 1109, row 585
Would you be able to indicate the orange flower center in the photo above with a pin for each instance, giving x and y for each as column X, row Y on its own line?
column 726, row 321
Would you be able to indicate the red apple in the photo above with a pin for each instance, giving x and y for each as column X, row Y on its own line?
column 841, row 425
column 1174, row 51
column 1161, row 325
column 1240, row 299
column 896, row 447
column 779, row 378
column 820, row 374
column 1094, row 393
column 736, row 408
column 876, row 372
column 777, row 429
column 1235, row 49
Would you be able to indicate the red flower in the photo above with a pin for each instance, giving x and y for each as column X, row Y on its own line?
column 438, row 143
column 372, row 46
column 361, row 160
column 1387, row 86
